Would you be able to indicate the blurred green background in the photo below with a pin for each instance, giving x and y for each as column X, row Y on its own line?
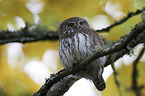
column 24, row 67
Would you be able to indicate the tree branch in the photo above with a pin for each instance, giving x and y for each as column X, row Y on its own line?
column 62, row 86
column 28, row 34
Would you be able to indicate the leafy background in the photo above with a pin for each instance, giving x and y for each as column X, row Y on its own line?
column 24, row 67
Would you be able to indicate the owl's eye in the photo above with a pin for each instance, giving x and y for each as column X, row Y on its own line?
column 71, row 24
column 81, row 23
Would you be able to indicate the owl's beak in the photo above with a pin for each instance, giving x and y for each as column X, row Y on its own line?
column 78, row 26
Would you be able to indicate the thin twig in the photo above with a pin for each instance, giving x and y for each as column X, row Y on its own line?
column 115, row 78
column 131, row 14
column 135, row 87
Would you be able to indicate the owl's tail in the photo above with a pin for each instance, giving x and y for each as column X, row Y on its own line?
column 99, row 82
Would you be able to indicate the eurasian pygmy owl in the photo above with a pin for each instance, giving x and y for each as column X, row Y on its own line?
column 77, row 42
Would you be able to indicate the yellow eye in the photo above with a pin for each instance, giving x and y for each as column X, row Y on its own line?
column 81, row 23
column 71, row 24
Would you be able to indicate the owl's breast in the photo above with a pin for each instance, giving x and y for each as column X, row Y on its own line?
column 83, row 46
column 76, row 48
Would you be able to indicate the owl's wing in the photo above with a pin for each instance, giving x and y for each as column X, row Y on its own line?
column 99, row 43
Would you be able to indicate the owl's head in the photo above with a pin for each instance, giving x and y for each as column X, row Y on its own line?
column 72, row 26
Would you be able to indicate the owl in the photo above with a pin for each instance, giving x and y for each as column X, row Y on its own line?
column 77, row 42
